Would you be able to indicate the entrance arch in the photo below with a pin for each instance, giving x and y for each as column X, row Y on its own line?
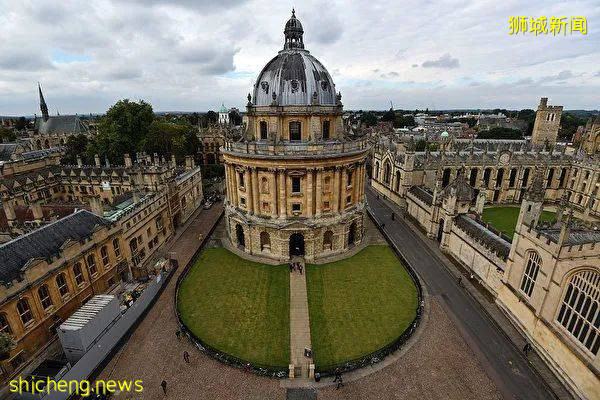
column 296, row 244
column 352, row 234
column 440, row 230
column 239, row 234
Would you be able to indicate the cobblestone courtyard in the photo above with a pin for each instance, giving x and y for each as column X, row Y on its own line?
column 438, row 365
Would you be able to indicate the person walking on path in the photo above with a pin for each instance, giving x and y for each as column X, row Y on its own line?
column 340, row 382
column 178, row 334
column 186, row 357
column 526, row 349
column 163, row 385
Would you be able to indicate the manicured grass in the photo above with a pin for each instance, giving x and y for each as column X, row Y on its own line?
column 238, row 306
column 358, row 305
column 505, row 218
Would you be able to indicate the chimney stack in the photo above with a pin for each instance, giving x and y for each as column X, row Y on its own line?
column 173, row 161
column 9, row 211
column 79, row 162
column 127, row 158
column 97, row 160
column 38, row 214
column 156, row 159
column 96, row 206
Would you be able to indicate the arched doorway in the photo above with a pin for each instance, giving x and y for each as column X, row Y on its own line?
column 239, row 234
column 328, row 240
column 440, row 230
column 265, row 241
column 352, row 234
column 296, row 244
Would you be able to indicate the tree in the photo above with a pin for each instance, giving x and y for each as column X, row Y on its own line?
column 7, row 135
column 166, row 138
column 500, row 133
column 401, row 121
column 421, row 145
column 21, row 124
column 235, row 118
column 527, row 115
column 389, row 116
column 368, row 118
column 122, row 129
column 76, row 146
column 212, row 117
column 568, row 125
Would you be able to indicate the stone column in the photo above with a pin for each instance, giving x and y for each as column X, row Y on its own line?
column 255, row 195
column 273, row 194
column 336, row 189
column 248, row 189
column 309, row 192
column 281, row 189
column 319, row 195
column 356, row 183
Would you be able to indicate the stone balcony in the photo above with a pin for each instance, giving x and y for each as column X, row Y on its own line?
column 287, row 149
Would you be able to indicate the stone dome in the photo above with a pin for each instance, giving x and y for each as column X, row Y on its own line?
column 294, row 76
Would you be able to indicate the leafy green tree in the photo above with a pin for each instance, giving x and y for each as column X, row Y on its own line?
column 7, row 135
column 212, row 117
column 368, row 118
column 122, row 129
column 500, row 133
column 235, row 118
column 76, row 146
column 389, row 116
column 568, row 125
column 166, row 138
column 404, row 121
column 21, row 123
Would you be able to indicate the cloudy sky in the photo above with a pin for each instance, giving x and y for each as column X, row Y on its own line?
column 192, row 55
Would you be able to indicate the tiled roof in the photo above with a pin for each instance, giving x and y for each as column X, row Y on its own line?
column 483, row 235
column 422, row 194
column 45, row 242
column 60, row 124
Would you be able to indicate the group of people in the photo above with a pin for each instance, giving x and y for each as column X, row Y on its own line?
column 296, row 266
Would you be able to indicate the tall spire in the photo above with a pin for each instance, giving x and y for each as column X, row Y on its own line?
column 43, row 106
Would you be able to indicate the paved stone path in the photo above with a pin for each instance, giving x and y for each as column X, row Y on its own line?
column 299, row 322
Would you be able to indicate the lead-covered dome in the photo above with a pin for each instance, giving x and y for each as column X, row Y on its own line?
column 294, row 76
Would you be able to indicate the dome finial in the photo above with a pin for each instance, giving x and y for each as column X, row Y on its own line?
column 293, row 12
column 293, row 33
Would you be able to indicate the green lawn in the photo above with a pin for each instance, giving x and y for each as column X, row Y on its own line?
column 358, row 305
column 505, row 218
column 238, row 306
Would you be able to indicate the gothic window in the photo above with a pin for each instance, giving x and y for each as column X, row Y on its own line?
column 263, row 130
column 24, row 311
column 549, row 178
column 387, row 172
column 525, row 178
column 499, row 177
column 376, row 170
column 563, row 175
column 78, row 274
column 295, row 185
column 512, row 177
column 579, row 313
column 530, row 274
column 397, row 181
column 61, row 283
column 4, row 325
column 295, row 131
column 45, row 298
column 446, row 177
column 325, row 130
column 486, row 176
column 264, row 185
column 473, row 177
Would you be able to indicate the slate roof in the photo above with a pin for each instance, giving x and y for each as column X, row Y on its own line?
column 7, row 150
column 422, row 194
column 60, row 124
column 483, row 235
column 576, row 236
column 45, row 242
column 459, row 186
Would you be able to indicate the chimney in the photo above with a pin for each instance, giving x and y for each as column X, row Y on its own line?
column 136, row 197
column 188, row 162
column 156, row 159
column 173, row 161
column 127, row 158
column 79, row 162
column 38, row 214
column 106, row 162
column 97, row 160
column 9, row 211
column 148, row 159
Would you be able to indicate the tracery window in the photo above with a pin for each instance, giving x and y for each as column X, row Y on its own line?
column 530, row 274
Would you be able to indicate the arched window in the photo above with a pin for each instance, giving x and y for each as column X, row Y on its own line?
column 295, row 131
column 473, row 177
column 116, row 247
column 327, row 184
column 387, row 170
column 376, row 172
column 61, row 283
column 265, row 241
column 263, row 130
column 104, row 255
column 264, row 185
column 91, row 260
column 446, row 177
column 79, row 279
column 328, row 240
column 534, row 262
column 325, row 130
column 4, row 325
column 512, row 178
column 579, row 312
column 45, row 298
column 24, row 311
column 349, row 177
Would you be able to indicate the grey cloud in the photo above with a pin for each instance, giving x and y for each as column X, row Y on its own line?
column 391, row 74
column 123, row 73
column 415, row 65
column 445, row 61
column 597, row 73
column 561, row 76
column 202, row 5
column 24, row 60
column 524, row 81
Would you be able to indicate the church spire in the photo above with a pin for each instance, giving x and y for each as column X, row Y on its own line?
column 43, row 106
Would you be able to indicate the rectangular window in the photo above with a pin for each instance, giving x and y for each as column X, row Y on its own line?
column 295, row 131
column 243, row 201
column 295, row 185
column 326, row 205
column 241, row 179
column 296, row 207
column 263, row 130
column 349, row 178
column 325, row 130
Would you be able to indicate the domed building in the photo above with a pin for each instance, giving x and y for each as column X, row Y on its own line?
column 295, row 175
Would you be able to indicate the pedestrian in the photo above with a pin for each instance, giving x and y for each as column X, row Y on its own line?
column 186, row 357
column 291, row 267
column 526, row 348
column 336, row 375
column 300, row 268
column 460, row 281
column 340, row 382
column 178, row 334
column 163, row 385
column 393, row 216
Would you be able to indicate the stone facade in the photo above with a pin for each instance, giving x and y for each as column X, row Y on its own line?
column 295, row 176
column 547, row 124
column 590, row 143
